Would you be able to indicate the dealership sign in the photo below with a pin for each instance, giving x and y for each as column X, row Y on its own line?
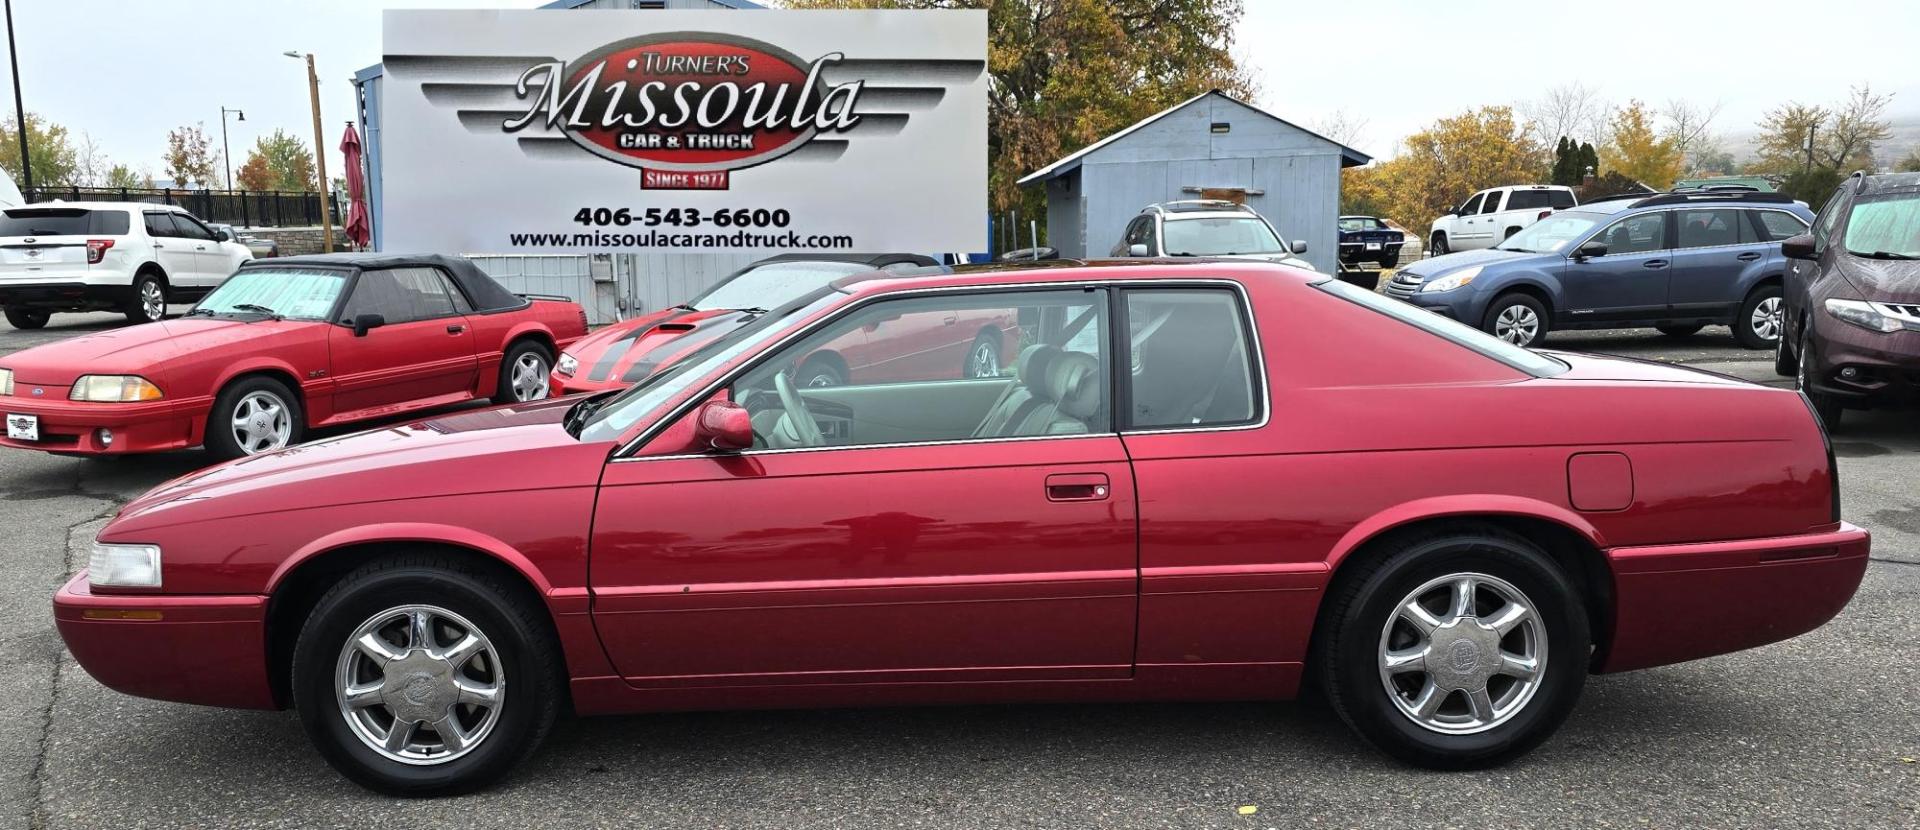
column 684, row 132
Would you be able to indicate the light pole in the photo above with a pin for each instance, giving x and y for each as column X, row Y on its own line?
column 19, row 110
column 226, row 154
column 319, row 150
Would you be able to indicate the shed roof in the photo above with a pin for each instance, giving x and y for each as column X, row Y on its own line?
column 1349, row 157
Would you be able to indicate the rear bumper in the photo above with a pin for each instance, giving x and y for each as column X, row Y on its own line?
column 209, row 650
column 1682, row 602
column 72, row 427
column 62, row 294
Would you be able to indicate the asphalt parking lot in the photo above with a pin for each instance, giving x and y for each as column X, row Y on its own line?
column 1820, row 731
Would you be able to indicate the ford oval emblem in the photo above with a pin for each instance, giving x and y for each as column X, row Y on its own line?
column 37, row 391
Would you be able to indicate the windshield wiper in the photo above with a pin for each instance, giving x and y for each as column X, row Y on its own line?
column 196, row 310
column 257, row 309
column 684, row 307
column 1885, row 255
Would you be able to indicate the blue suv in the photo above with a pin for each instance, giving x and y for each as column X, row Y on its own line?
column 1676, row 262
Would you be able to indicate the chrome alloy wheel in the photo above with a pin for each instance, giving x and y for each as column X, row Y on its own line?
column 1766, row 319
column 1463, row 653
column 153, row 301
column 984, row 362
column 529, row 377
column 261, row 423
column 1517, row 324
column 419, row 684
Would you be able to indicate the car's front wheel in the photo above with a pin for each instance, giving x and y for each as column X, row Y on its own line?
column 28, row 318
column 1456, row 649
column 983, row 358
column 425, row 675
column 1437, row 245
column 1825, row 406
column 523, row 373
column 254, row 415
column 1517, row 318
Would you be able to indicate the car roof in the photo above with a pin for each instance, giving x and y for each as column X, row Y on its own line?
column 987, row 275
column 875, row 260
column 1889, row 183
column 60, row 205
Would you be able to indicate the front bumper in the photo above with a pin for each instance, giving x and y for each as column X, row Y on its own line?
column 209, row 650
column 1674, row 603
column 73, row 426
column 559, row 386
column 1886, row 365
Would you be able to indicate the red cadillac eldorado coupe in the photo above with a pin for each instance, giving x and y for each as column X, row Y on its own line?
column 284, row 345
column 1193, row 486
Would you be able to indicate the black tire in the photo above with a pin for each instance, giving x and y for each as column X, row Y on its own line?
column 976, row 363
column 1825, row 406
column 1785, row 362
column 1355, row 624
column 820, row 371
column 220, row 440
column 1495, row 323
column 1388, row 261
column 1510, row 233
column 1677, row 330
column 1745, row 329
column 519, row 630
column 137, row 309
column 28, row 319
column 504, row 391
column 1437, row 245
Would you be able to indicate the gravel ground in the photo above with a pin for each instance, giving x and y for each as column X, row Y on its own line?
column 1819, row 731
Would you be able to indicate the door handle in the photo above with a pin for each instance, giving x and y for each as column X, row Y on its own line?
column 1654, row 263
column 1078, row 487
column 1748, row 256
column 199, row 247
column 456, row 329
column 950, row 320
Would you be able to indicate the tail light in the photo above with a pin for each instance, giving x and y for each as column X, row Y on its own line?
column 97, row 250
column 1544, row 214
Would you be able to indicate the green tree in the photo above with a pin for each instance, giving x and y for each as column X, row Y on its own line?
column 1910, row 164
column 190, row 159
column 277, row 162
column 55, row 160
column 1589, row 159
column 1636, row 150
column 121, row 175
column 1566, row 162
column 1067, row 73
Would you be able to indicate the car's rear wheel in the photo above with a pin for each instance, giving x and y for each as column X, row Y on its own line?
column 1758, row 324
column 252, row 416
column 523, row 373
column 1517, row 318
column 148, row 302
column 424, row 675
column 983, row 357
column 1437, row 245
column 1456, row 649
column 1675, row 330
column 28, row 318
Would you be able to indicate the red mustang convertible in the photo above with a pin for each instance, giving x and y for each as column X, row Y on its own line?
column 1192, row 486
column 284, row 345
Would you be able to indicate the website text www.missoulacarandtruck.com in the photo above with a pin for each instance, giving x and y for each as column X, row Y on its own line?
column 746, row 240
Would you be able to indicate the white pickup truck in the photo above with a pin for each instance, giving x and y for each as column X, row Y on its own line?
column 1487, row 218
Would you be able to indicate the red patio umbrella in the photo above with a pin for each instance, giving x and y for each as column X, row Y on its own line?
column 359, row 228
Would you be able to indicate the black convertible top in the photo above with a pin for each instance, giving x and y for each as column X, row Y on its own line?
column 482, row 291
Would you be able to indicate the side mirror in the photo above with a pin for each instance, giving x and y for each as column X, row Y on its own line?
column 723, row 426
column 1592, row 248
column 1299, row 246
column 1799, row 246
column 1136, row 250
column 223, row 235
column 367, row 322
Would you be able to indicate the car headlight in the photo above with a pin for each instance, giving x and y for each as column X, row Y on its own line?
column 6, row 381
column 566, row 365
column 1862, row 314
column 113, row 389
column 1452, row 281
column 124, row 566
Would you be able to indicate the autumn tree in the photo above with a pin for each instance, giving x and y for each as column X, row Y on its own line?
column 1067, row 73
column 190, row 158
column 1859, row 124
column 277, row 162
column 1844, row 136
column 55, row 160
column 1690, row 126
column 1635, row 149
column 1910, row 164
column 1446, row 162
column 254, row 173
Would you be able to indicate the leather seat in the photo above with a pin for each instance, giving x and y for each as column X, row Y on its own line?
column 1058, row 393
column 1019, row 401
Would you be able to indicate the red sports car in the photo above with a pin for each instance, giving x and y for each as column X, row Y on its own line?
column 284, row 345
column 1192, row 487
column 978, row 343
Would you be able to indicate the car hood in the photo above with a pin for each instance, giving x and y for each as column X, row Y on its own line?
column 1593, row 367
column 1436, row 266
column 628, row 351
column 1882, row 280
column 520, row 447
column 139, row 350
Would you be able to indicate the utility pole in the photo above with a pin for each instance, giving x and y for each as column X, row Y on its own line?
column 226, row 154
column 19, row 109
column 319, row 152
column 1811, row 127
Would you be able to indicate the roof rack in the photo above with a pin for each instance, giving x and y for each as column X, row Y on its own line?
column 1618, row 196
column 1685, row 197
column 1195, row 206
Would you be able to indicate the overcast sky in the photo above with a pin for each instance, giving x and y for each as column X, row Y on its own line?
column 127, row 71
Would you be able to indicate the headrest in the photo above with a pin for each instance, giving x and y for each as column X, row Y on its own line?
column 1031, row 367
column 1073, row 383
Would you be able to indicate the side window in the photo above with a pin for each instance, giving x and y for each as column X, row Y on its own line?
column 1779, row 224
column 1530, row 199
column 110, row 222
column 1828, row 219
column 402, row 295
column 1493, row 202
column 460, row 304
column 1142, row 234
column 1472, row 206
column 1561, row 199
column 1636, row 234
column 191, row 228
column 1707, row 228
column 160, row 224
column 1192, row 362
column 945, row 368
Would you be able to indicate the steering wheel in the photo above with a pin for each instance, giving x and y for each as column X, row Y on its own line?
column 797, row 417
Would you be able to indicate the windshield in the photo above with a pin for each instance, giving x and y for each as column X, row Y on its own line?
column 1553, row 234
column 1887, row 224
column 1358, row 223
column 292, row 293
column 1211, row 236
column 613, row 416
column 1533, row 363
column 775, row 284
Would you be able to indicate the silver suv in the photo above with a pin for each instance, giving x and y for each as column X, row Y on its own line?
column 129, row 257
column 1208, row 228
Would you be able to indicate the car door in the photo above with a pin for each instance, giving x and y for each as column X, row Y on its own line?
column 1630, row 281
column 209, row 263
column 423, row 353
column 920, row 538
column 173, row 250
column 1464, row 224
column 1482, row 233
column 1715, row 249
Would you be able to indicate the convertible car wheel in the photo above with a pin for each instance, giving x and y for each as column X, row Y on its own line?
column 252, row 416
column 1455, row 650
column 423, row 675
column 523, row 373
